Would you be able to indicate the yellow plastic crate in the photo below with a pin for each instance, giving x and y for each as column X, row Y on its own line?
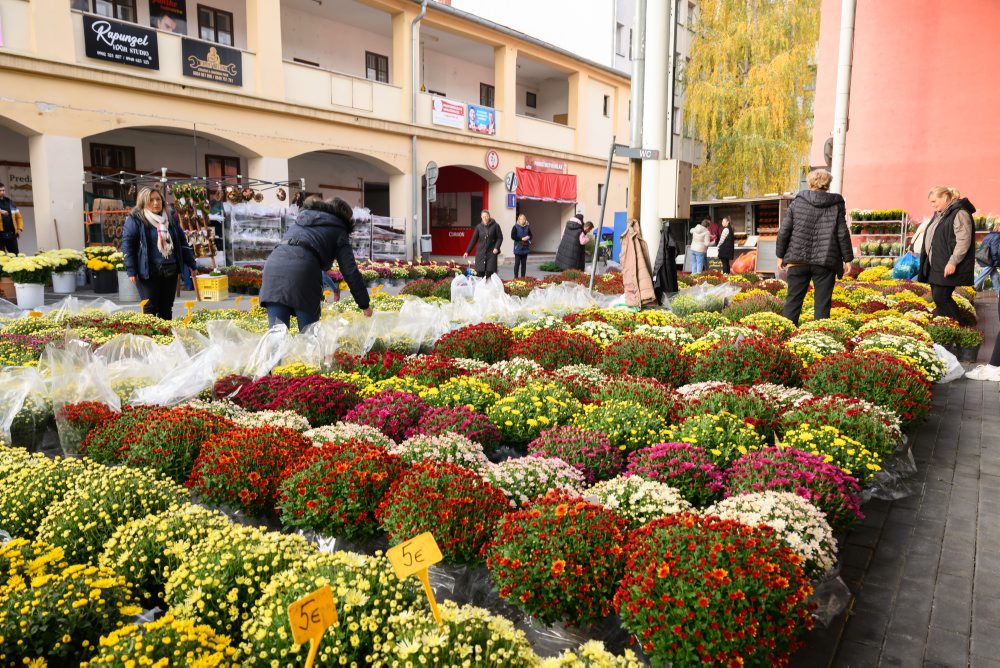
column 213, row 288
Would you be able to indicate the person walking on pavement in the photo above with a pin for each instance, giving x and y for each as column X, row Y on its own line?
column 155, row 249
column 291, row 285
column 991, row 243
column 814, row 244
column 521, row 234
column 727, row 244
column 489, row 237
column 701, row 238
column 11, row 223
column 947, row 259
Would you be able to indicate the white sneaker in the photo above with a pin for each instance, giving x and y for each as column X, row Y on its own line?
column 984, row 372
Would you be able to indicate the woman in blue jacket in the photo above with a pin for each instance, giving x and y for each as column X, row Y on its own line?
column 521, row 234
column 155, row 249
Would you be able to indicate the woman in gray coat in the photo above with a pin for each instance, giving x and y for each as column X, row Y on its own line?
column 489, row 236
column 291, row 284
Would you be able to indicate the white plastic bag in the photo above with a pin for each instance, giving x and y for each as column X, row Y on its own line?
column 955, row 369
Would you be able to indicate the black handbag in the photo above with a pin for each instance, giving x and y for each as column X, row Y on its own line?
column 983, row 256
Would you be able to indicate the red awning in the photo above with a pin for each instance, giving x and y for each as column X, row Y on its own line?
column 546, row 187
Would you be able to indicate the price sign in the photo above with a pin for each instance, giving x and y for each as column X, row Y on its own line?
column 310, row 617
column 35, row 314
column 143, row 303
column 238, row 301
column 414, row 557
column 327, row 293
column 188, row 304
column 255, row 300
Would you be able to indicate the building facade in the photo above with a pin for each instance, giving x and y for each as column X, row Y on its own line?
column 923, row 100
column 310, row 89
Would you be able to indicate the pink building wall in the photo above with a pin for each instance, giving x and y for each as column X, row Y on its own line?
column 925, row 101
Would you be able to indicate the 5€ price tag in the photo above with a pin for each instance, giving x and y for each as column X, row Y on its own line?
column 35, row 314
column 311, row 615
column 255, row 300
column 143, row 303
column 188, row 304
column 414, row 557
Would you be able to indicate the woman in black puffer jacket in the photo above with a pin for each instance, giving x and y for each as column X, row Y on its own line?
column 291, row 283
column 947, row 259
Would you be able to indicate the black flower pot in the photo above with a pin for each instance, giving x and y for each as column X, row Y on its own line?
column 968, row 354
column 105, row 282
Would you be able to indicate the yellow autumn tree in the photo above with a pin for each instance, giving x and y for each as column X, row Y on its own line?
column 749, row 94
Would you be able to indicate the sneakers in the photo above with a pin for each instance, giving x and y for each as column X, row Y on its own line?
column 984, row 372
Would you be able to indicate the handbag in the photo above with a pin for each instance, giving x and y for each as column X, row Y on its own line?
column 983, row 256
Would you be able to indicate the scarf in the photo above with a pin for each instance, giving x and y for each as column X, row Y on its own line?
column 163, row 241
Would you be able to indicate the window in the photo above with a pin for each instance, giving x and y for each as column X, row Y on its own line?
column 631, row 46
column 123, row 10
column 215, row 25
column 487, row 95
column 620, row 39
column 530, row 100
column 222, row 168
column 108, row 159
column 678, row 16
column 376, row 67
column 677, row 120
column 600, row 194
column 607, row 106
column 691, row 15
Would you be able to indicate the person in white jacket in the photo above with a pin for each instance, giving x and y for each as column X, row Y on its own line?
column 700, row 240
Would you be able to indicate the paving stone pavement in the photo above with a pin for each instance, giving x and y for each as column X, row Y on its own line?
column 925, row 569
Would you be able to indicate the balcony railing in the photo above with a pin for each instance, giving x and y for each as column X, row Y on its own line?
column 326, row 89
column 544, row 134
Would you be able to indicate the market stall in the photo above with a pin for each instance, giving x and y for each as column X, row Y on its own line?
column 755, row 224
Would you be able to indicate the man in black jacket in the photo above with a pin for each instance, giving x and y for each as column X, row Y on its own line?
column 814, row 244
column 10, row 222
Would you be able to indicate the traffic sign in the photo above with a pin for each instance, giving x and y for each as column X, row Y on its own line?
column 432, row 193
column 511, row 201
column 492, row 160
column 511, row 181
column 431, row 172
column 637, row 153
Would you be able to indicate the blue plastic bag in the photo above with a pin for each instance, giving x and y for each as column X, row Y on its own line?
column 906, row 267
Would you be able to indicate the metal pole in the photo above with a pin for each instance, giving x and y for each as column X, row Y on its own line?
column 656, row 110
column 415, row 194
column 637, row 95
column 842, row 108
column 599, row 228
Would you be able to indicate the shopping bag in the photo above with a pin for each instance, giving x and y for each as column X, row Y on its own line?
column 906, row 267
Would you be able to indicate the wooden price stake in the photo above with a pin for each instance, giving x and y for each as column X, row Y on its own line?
column 415, row 556
column 35, row 314
column 143, row 303
column 187, row 320
column 310, row 617
column 188, row 304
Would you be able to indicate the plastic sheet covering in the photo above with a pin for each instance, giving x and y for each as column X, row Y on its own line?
column 706, row 295
column 71, row 305
column 553, row 640
column 146, row 616
column 238, row 346
column 13, row 390
column 75, row 374
column 891, row 482
column 331, row 544
column 4, row 538
column 268, row 352
column 133, row 362
column 9, row 310
column 184, row 382
column 557, row 300
column 830, row 596
column 955, row 369
column 25, row 408
column 463, row 288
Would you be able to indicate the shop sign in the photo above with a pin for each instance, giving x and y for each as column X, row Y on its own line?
column 17, row 178
column 204, row 60
column 168, row 15
column 492, row 160
column 447, row 112
column 482, row 120
column 116, row 42
column 539, row 164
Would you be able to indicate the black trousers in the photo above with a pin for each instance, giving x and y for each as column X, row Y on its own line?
column 520, row 264
column 799, row 277
column 943, row 300
column 9, row 244
column 995, row 356
column 160, row 291
column 725, row 264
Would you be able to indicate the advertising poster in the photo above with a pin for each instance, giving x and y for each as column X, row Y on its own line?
column 212, row 62
column 482, row 120
column 447, row 112
column 117, row 42
column 168, row 15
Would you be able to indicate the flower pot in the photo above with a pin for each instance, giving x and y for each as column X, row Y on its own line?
column 64, row 282
column 966, row 354
column 7, row 290
column 105, row 282
column 127, row 291
column 30, row 295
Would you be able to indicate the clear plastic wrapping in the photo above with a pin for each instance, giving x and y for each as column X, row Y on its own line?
column 830, row 596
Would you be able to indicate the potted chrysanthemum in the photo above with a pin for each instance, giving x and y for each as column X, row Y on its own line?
column 65, row 264
column 30, row 274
